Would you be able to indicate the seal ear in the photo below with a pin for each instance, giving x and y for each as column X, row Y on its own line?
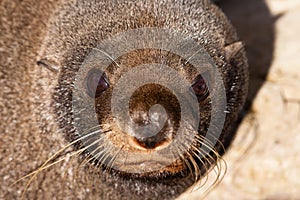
column 51, row 65
column 231, row 50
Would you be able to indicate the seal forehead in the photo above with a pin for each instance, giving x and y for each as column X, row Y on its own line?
column 113, row 17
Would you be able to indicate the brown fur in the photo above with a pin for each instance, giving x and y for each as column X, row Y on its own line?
column 33, row 125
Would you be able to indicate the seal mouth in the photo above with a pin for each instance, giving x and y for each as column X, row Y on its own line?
column 147, row 163
column 150, row 166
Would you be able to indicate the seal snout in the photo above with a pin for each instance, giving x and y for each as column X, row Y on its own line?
column 151, row 129
column 153, row 117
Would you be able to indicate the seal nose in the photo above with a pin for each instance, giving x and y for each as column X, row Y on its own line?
column 145, row 125
column 154, row 113
column 148, row 128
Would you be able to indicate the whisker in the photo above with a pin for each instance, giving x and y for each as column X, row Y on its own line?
column 99, row 156
column 103, row 52
column 217, row 180
column 217, row 168
column 86, row 160
column 207, row 144
column 44, row 166
column 88, row 157
column 214, row 164
column 196, row 168
column 103, row 154
column 184, row 159
column 187, row 60
column 201, row 183
column 54, row 156
column 113, row 159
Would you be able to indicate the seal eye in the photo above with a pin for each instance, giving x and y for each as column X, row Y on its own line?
column 96, row 83
column 200, row 88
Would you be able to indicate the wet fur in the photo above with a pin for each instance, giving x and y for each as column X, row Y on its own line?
column 27, row 106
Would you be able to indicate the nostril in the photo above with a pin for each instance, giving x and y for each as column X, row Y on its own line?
column 156, row 142
column 148, row 143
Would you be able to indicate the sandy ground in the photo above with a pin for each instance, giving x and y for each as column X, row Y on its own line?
column 264, row 160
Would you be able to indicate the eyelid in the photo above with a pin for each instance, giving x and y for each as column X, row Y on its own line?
column 201, row 85
column 92, row 92
column 206, row 75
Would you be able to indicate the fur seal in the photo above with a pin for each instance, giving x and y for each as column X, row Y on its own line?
column 147, row 155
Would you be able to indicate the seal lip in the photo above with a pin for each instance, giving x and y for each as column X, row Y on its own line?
column 143, row 166
column 173, row 171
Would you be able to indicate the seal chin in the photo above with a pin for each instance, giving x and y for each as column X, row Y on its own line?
column 150, row 167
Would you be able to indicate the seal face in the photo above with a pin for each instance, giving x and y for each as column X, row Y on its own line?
column 149, row 96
